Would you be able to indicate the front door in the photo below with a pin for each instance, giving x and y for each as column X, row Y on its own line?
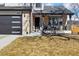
column 37, row 22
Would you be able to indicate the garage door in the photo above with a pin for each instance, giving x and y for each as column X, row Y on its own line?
column 11, row 25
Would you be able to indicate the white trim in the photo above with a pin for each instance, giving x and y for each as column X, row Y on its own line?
column 16, row 17
column 59, row 32
column 23, row 32
column 37, row 15
column 54, row 15
column 16, row 27
column 15, row 22
column 35, row 8
column 64, row 31
column 15, row 32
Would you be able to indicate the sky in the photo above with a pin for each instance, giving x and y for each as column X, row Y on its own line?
column 55, row 4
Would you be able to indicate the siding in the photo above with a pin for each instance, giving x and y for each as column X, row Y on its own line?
column 10, row 13
column 26, row 23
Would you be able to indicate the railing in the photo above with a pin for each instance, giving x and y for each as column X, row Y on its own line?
column 55, row 30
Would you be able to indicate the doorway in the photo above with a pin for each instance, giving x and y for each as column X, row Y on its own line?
column 37, row 22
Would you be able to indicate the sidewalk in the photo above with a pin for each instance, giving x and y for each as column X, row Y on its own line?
column 7, row 40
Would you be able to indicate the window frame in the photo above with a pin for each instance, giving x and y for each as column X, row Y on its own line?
column 38, row 5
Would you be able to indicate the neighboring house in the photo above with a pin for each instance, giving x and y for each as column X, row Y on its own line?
column 29, row 18
column 74, row 27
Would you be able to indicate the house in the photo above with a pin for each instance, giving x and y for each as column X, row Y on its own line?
column 24, row 19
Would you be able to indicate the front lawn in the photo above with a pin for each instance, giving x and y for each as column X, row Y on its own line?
column 42, row 46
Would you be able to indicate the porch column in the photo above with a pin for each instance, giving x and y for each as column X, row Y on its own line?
column 67, row 24
column 41, row 20
column 70, row 22
column 31, row 22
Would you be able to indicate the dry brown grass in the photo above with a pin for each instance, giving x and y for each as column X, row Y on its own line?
column 42, row 46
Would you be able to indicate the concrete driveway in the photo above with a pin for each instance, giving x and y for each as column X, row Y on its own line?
column 7, row 39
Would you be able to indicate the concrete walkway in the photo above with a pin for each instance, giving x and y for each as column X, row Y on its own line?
column 7, row 40
column 34, row 34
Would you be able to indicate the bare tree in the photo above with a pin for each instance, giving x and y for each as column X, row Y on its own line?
column 75, row 8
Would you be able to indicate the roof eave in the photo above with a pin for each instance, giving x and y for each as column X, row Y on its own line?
column 15, row 9
column 55, row 13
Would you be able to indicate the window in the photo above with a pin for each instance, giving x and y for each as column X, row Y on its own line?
column 55, row 21
column 38, row 5
column 2, row 4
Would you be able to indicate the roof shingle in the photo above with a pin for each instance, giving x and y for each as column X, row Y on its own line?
column 54, row 10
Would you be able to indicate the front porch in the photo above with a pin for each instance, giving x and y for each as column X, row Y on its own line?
column 51, row 24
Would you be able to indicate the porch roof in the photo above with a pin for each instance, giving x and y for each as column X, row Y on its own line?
column 54, row 10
